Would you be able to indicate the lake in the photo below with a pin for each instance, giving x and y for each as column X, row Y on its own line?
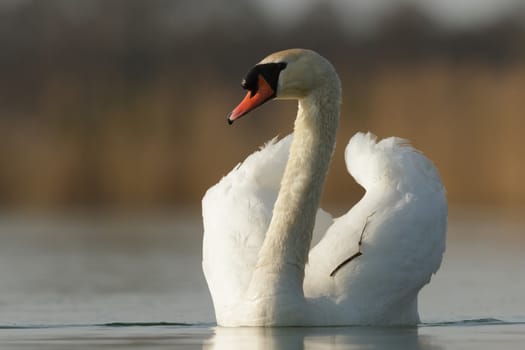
column 135, row 281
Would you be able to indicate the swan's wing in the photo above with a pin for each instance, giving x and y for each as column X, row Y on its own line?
column 236, row 213
column 401, row 224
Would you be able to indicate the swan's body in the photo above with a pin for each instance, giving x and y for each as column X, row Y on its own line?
column 258, row 220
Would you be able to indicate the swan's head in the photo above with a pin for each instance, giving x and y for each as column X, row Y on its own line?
column 289, row 74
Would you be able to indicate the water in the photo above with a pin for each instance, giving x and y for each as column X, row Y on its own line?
column 136, row 282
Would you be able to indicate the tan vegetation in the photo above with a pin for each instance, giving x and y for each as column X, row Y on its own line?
column 109, row 118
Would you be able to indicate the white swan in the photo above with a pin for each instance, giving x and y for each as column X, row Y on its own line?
column 258, row 220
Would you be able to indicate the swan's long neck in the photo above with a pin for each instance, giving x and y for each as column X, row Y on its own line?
column 283, row 256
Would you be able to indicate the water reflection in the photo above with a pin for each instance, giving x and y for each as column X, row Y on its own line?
column 319, row 338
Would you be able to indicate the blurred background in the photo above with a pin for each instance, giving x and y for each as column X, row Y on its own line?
column 121, row 104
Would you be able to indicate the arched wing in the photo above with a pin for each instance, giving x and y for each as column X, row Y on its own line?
column 380, row 253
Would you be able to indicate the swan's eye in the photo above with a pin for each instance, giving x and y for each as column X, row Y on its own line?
column 250, row 81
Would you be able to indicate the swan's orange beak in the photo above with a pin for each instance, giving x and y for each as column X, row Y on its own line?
column 252, row 100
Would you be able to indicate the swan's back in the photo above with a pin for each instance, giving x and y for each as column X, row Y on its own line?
column 401, row 221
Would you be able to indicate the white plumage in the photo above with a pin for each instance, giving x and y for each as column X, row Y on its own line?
column 255, row 252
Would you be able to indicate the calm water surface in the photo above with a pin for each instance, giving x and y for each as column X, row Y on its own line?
column 136, row 282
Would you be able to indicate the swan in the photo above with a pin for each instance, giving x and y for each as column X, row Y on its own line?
column 260, row 263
